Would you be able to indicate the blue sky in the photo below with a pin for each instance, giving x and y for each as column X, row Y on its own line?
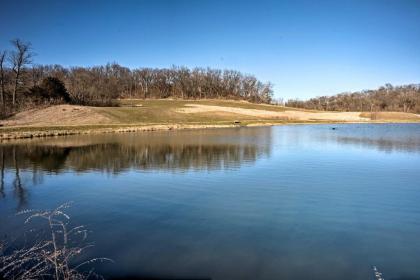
column 306, row 48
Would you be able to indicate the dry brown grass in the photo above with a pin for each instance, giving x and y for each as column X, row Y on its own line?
column 49, row 258
column 147, row 112
column 58, row 115
column 143, row 112
column 139, row 115
column 399, row 116
column 269, row 114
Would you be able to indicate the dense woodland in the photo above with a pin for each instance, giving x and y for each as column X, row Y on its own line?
column 386, row 98
column 25, row 84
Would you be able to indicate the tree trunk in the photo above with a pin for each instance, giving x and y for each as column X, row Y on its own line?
column 2, row 90
column 2, row 85
column 15, row 89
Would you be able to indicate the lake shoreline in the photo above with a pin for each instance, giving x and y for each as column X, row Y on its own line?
column 25, row 132
column 151, row 115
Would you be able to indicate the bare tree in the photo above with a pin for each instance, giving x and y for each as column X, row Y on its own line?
column 19, row 58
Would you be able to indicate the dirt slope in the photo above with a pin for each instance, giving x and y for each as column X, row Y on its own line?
column 57, row 115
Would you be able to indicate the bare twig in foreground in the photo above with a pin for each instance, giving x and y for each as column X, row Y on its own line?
column 50, row 258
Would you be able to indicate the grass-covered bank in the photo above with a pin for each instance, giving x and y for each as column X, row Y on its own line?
column 145, row 115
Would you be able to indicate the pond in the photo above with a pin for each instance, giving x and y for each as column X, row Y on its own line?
column 284, row 202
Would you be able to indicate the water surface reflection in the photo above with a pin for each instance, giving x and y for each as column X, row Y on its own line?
column 180, row 151
column 247, row 203
column 383, row 137
column 177, row 151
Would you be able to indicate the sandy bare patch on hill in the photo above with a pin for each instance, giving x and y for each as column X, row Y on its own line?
column 58, row 115
column 198, row 108
column 289, row 114
column 328, row 116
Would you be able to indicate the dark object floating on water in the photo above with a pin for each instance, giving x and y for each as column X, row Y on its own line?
column 333, row 128
column 378, row 275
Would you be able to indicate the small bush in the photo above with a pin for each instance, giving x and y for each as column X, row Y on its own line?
column 51, row 90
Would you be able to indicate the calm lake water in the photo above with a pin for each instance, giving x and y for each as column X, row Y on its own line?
column 286, row 202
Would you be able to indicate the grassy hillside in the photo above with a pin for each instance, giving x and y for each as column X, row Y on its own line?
column 166, row 111
column 133, row 115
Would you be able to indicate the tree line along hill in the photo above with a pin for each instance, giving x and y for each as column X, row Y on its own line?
column 386, row 98
column 25, row 85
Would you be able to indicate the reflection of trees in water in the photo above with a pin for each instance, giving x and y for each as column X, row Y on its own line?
column 117, row 157
column 2, row 175
column 387, row 145
column 10, row 160
column 19, row 191
column 385, row 138
column 52, row 159
column 32, row 158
